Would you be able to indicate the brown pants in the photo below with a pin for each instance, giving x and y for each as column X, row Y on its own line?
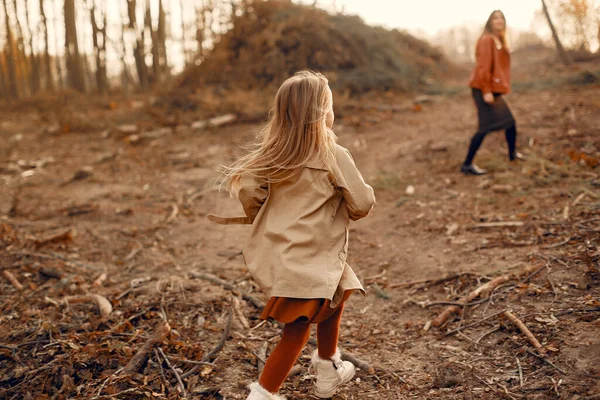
column 295, row 335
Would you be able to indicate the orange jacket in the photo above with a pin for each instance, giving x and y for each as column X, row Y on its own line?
column 492, row 67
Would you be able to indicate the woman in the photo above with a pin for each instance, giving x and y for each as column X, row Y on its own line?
column 489, row 81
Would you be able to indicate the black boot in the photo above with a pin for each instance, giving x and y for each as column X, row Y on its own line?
column 472, row 169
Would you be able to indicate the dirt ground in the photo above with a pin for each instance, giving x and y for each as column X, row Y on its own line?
column 109, row 210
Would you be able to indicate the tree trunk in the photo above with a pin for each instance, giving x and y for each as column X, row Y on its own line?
column 35, row 77
column 155, row 77
column 74, row 65
column 183, row 41
column 559, row 47
column 10, row 56
column 200, row 26
column 162, row 39
column 57, row 59
column 138, row 52
column 99, row 41
column 124, row 73
column 49, row 79
column 4, row 94
column 21, row 58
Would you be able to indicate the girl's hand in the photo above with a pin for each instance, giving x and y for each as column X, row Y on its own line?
column 488, row 98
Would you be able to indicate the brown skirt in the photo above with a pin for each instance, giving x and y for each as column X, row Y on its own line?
column 287, row 310
column 492, row 117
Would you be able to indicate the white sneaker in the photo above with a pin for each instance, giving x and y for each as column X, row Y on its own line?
column 331, row 374
column 258, row 392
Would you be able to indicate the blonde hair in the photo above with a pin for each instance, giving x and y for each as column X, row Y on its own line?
column 488, row 29
column 296, row 134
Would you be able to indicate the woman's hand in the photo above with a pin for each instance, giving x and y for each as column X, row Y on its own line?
column 488, row 98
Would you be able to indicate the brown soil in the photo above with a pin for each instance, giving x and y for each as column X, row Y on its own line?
column 140, row 213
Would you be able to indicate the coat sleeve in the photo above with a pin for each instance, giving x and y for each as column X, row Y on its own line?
column 359, row 196
column 484, row 62
column 252, row 193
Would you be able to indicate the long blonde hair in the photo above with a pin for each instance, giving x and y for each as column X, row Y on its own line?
column 296, row 134
column 489, row 30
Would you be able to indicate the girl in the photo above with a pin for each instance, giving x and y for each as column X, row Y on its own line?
column 489, row 81
column 299, row 189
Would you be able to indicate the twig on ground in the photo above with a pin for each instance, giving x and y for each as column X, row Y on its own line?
column 553, row 290
column 104, row 306
column 60, row 257
column 11, row 278
column 174, row 212
column 487, row 333
column 519, row 324
column 450, row 303
column 379, row 292
column 179, row 382
column 537, row 271
column 262, row 357
column 497, row 224
column 482, row 290
column 215, row 349
column 544, row 359
column 554, row 245
column 256, row 302
column 238, row 312
column 185, row 360
column 136, row 362
column 475, row 323
column 429, row 281
column 160, row 369
column 520, row 372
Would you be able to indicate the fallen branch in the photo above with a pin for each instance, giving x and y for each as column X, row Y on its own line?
column 497, row 224
column 544, row 359
column 475, row 323
column 482, row 290
column 262, row 357
column 12, row 279
column 100, row 279
column 365, row 366
column 238, row 313
column 174, row 212
column 104, row 306
column 66, row 234
column 136, row 362
column 216, row 349
column 255, row 302
column 519, row 324
column 174, row 371
column 379, row 292
column 429, row 281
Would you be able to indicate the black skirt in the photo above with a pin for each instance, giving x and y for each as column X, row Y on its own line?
column 492, row 117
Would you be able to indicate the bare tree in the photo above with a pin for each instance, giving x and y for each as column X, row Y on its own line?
column 99, row 41
column 138, row 51
column 10, row 55
column 74, row 64
column 183, row 41
column 125, row 72
column 578, row 11
column 162, row 38
column 21, row 55
column 49, row 79
column 559, row 47
column 57, row 59
column 34, row 63
column 200, row 27
column 3, row 86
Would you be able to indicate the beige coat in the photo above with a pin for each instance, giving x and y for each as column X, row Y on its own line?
column 299, row 240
